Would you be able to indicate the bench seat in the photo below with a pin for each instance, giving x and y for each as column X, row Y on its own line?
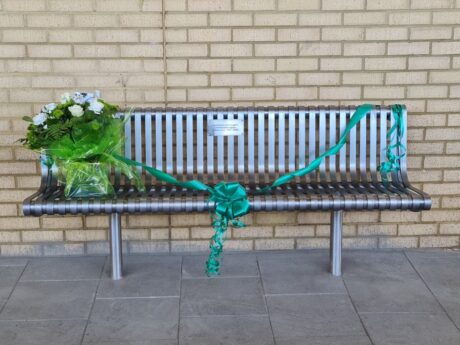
column 167, row 199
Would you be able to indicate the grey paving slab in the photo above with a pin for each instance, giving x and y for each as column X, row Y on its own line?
column 386, row 282
column 144, row 276
column 50, row 300
column 13, row 261
column 327, row 340
column 57, row 332
column 9, row 275
column 229, row 296
column 68, row 268
column 298, row 273
column 299, row 316
column 232, row 265
column 133, row 321
column 410, row 329
column 235, row 330
column 442, row 275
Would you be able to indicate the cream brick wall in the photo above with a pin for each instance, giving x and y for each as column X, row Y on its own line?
column 234, row 52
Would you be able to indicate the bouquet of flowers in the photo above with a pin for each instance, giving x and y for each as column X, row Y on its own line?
column 80, row 135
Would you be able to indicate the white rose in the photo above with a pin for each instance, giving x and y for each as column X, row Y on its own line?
column 39, row 119
column 78, row 98
column 65, row 98
column 95, row 106
column 88, row 97
column 49, row 108
column 76, row 110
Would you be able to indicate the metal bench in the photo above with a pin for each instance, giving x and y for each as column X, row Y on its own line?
column 252, row 146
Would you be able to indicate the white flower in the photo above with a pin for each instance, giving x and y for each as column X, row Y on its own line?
column 95, row 106
column 76, row 110
column 78, row 98
column 65, row 98
column 49, row 108
column 88, row 97
column 39, row 119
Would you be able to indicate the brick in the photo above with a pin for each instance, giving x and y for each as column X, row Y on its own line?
column 298, row 5
column 449, row 229
column 209, row 5
column 276, row 49
column 267, row 79
column 454, row 120
column 42, row 236
column 185, row 20
column 362, row 78
column 9, row 236
column 452, row 148
column 150, row 221
column 443, row 105
column 296, row 93
column 231, row 79
column 175, row 96
column 253, row 232
column 417, row 229
column 274, row 244
column 18, row 167
column 451, row 202
column 319, row 78
column 401, row 78
column 21, row 250
column 171, row 35
column 362, row 49
column 49, row 20
column 342, row 5
column 194, row 219
column 230, row 19
column 408, row 48
column 141, row 20
column 439, row 241
column 49, row 51
column 446, row 17
column 189, row 246
column 275, row 19
column 12, row 51
column 426, row 91
column 187, row 80
column 148, row 247
column 409, row 18
column 320, row 19
column 313, row 218
column 385, row 63
column 211, row 94
column 296, row 64
column 119, row 65
column 95, row 20
column 211, row 65
column 24, row 5
column 303, row 243
column 387, row 34
column 432, row 62
column 239, row 245
column 23, row 36
column 63, row 249
column 299, row 34
column 252, row 94
column 14, row 81
column 444, row 77
column 340, row 93
column 231, row 50
column 321, row 48
column 175, row 5
column 432, row 4
column 325, row 230
column 96, row 51
column 141, row 50
column 118, row 5
column 441, row 216
column 370, row 18
column 377, row 92
column 180, row 233
column 275, row 218
column 254, row 5
column 249, row 65
column 361, row 217
column 443, row 48
column 444, row 188
column 360, row 243
column 398, row 242
column 11, row 20
column 70, row 5
column 14, row 223
column 85, row 235
column 377, row 229
column 254, row 35
column 430, row 33
column 209, row 35
column 62, row 222
column 159, row 234
column 387, row 4
column 112, row 35
column 181, row 50
column 444, row 133
column 344, row 34
column 135, row 234
column 294, row 231
column 341, row 64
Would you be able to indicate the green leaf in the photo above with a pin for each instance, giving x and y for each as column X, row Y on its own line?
column 27, row 118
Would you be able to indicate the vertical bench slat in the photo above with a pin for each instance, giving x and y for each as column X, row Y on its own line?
column 138, row 139
column 363, row 149
column 128, row 146
column 302, row 138
column 352, row 163
column 251, row 147
column 281, row 142
column 261, row 145
column 271, row 143
column 383, row 136
column 210, row 150
column 189, row 146
column 148, row 145
column 291, row 141
column 332, row 142
column 199, row 144
column 159, row 140
column 179, row 146
column 322, row 142
column 394, row 174
column 312, row 139
column 220, row 151
column 373, row 145
column 343, row 150
column 230, row 152
column 169, row 142
column 241, row 158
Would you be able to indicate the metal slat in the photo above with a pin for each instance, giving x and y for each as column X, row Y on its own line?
column 159, row 140
column 199, row 144
column 189, row 145
column 332, row 141
column 322, row 143
column 271, row 143
column 179, row 145
column 210, row 150
column 261, row 145
column 291, row 141
column 128, row 146
column 138, row 139
column 230, row 152
column 352, row 144
column 241, row 158
column 220, row 151
column 312, row 140
column 281, row 142
column 251, row 147
column 169, row 142
column 302, row 138
column 343, row 150
column 148, row 144
column 363, row 148
column 373, row 144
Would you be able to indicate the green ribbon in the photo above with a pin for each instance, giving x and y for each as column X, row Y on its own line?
column 230, row 198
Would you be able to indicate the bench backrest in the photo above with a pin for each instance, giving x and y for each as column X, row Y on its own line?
column 257, row 145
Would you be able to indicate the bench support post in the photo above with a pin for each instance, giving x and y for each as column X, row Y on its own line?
column 115, row 246
column 336, row 243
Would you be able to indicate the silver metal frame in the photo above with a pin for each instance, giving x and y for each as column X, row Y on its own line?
column 275, row 141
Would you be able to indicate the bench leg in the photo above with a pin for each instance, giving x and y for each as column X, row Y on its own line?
column 115, row 246
column 336, row 243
